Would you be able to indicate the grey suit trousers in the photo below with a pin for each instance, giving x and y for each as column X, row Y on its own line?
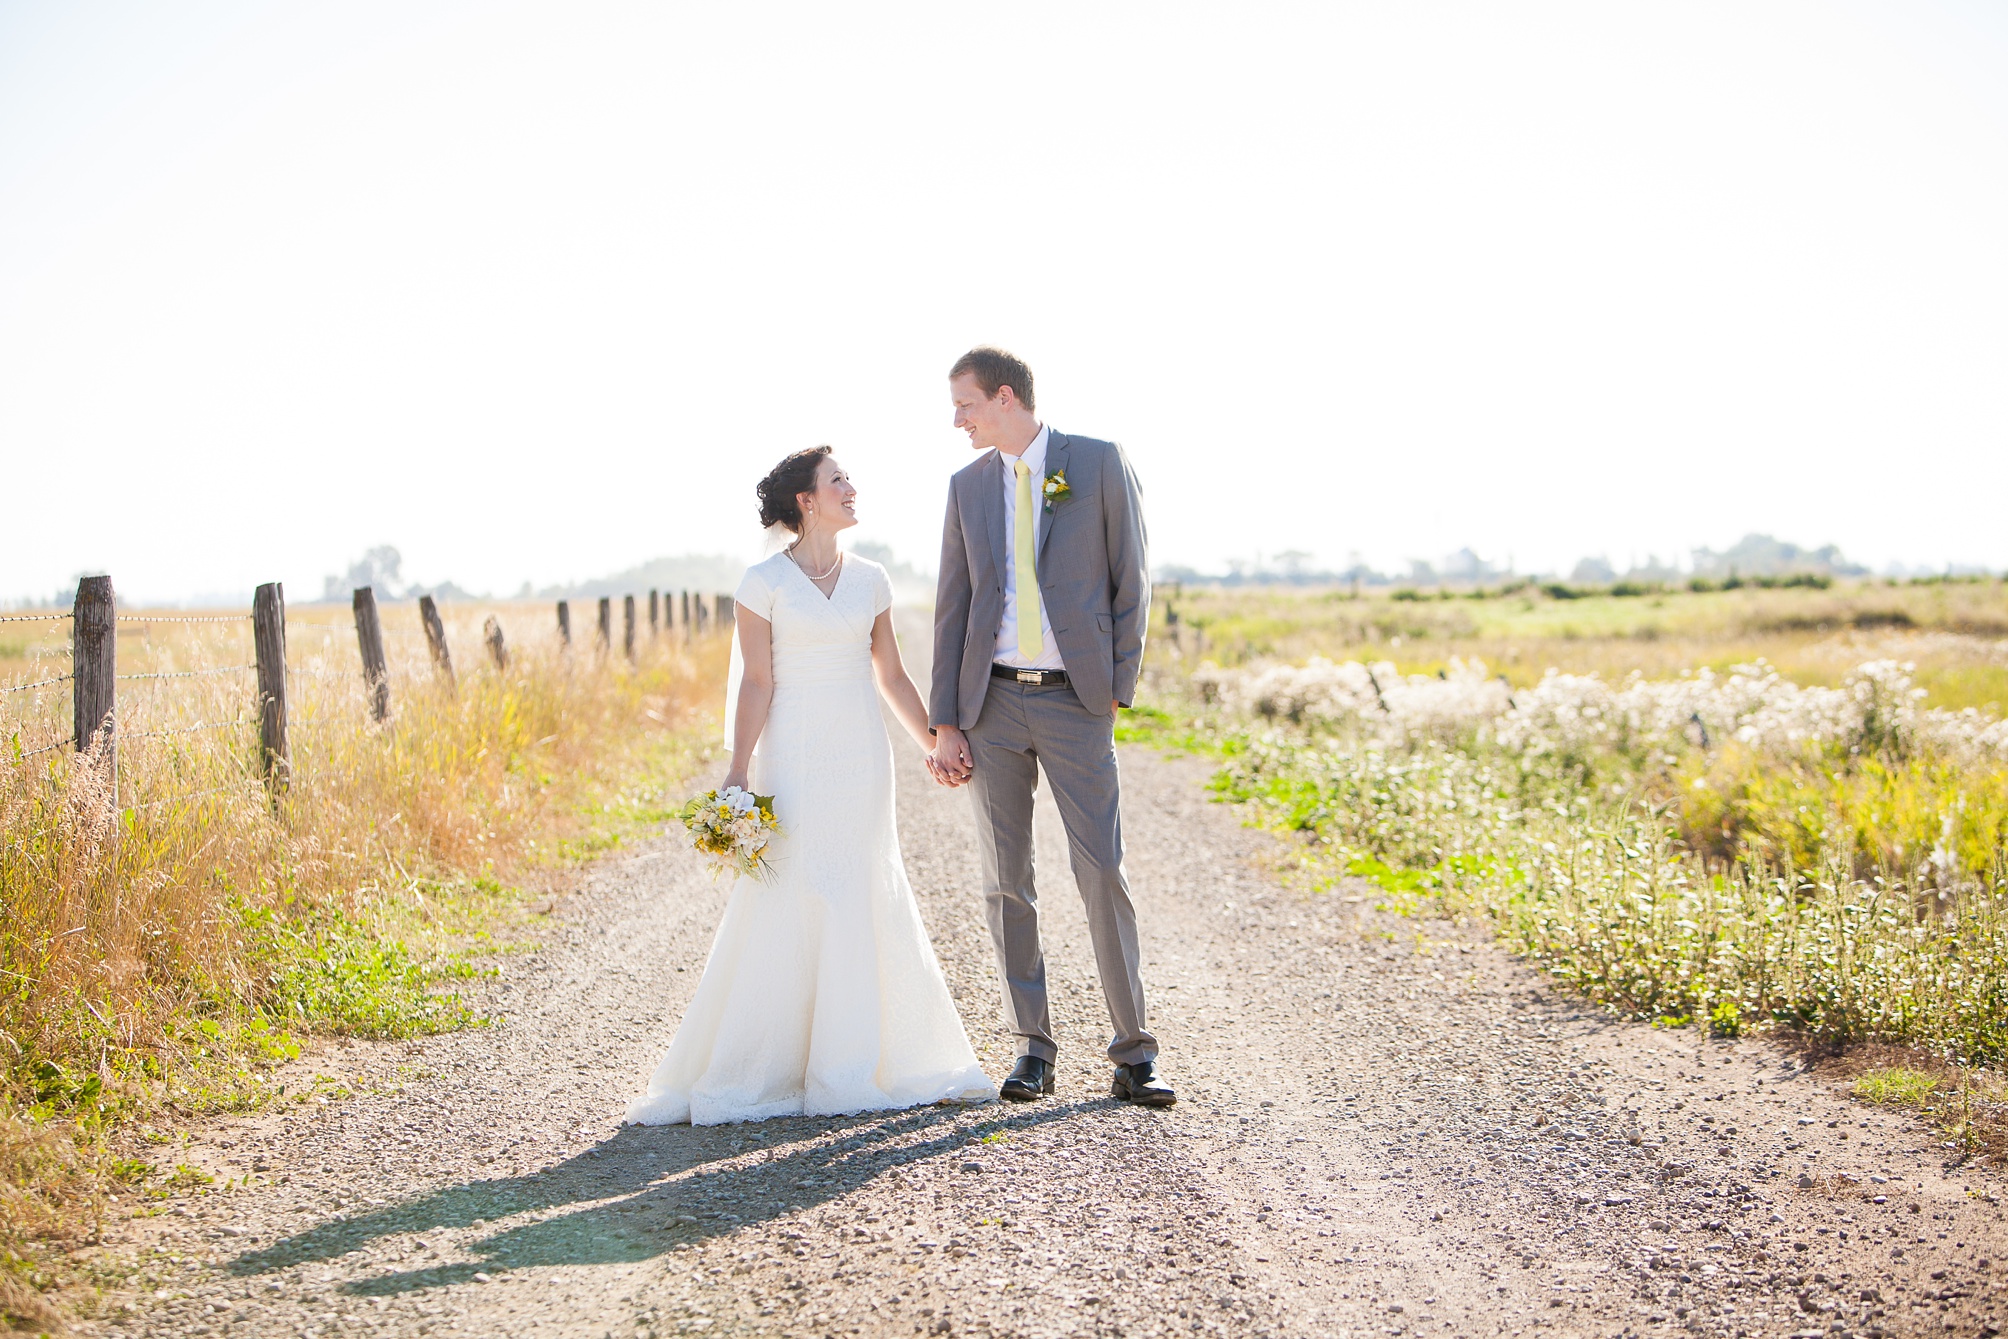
column 1022, row 727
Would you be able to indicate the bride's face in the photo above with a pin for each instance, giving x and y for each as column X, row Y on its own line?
column 834, row 503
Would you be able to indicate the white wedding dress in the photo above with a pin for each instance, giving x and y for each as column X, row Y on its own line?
column 822, row 995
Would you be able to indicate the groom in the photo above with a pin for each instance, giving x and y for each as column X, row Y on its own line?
column 1038, row 636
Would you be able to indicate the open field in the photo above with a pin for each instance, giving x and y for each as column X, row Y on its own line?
column 1956, row 632
column 1749, row 809
column 174, row 929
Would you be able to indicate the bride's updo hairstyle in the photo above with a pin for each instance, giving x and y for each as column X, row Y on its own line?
column 796, row 474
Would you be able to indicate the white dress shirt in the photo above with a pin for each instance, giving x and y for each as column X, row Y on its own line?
column 1007, row 631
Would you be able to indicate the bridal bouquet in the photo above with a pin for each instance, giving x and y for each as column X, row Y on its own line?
column 733, row 827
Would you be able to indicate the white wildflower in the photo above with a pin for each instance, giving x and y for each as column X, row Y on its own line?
column 1875, row 708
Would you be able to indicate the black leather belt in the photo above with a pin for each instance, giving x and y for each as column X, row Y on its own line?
column 1043, row 678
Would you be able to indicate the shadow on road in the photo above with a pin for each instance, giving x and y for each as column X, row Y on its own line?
column 668, row 1190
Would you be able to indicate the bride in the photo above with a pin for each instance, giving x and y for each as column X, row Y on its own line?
column 822, row 995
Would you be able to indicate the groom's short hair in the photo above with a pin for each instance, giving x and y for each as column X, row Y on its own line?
column 994, row 368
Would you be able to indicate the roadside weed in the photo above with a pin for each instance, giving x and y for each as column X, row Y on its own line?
column 1704, row 807
column 1905, row 1087
column 1725, row 1020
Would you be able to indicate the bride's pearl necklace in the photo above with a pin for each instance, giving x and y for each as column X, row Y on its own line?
column 817, row 576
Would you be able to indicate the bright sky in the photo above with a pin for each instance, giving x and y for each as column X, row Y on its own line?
column 538, row 292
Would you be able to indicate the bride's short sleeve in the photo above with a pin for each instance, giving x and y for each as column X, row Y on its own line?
column 881, row 590
column 755, row 595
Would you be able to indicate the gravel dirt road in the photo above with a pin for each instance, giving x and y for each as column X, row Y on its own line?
column 1386, row 1128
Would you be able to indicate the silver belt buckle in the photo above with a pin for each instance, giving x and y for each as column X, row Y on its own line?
column 1031, row 676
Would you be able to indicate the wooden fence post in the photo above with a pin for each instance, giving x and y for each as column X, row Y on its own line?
column 369, row 640
column 725, row 613
column 653, row 625
column 491, row 633
column 697, row 608
column 94, row 659
column 606, row 624
column 565, row 624
column 627, row 626
column 268, row 635
column 685, row 623
column 435, row 638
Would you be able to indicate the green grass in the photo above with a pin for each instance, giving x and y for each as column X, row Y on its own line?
column 1895, row 1086
column 1145, row 724
column 333, row 974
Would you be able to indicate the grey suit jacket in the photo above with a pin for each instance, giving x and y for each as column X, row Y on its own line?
column 1093, row 576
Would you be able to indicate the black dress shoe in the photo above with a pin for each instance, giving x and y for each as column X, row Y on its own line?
column 1031, row 1077
column 1142, row 1084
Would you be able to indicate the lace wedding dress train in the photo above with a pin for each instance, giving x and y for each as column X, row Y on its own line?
column 822, row 995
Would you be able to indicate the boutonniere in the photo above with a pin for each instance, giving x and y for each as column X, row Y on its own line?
column 1056, row 488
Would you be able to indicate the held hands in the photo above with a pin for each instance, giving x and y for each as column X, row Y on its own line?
column 951, row 761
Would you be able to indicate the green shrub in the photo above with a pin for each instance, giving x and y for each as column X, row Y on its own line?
column 1578, row 869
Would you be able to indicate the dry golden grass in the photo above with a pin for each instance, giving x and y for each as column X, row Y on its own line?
column 172, row 928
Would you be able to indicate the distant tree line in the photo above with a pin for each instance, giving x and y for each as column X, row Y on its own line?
column 1753, row 560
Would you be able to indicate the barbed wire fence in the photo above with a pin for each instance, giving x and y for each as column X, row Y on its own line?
column 93, row 679
column 21, row 754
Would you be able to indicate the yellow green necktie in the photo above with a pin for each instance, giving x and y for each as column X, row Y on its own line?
column 1031, row 645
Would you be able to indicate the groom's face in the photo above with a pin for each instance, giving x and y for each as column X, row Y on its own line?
column 982, row 417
